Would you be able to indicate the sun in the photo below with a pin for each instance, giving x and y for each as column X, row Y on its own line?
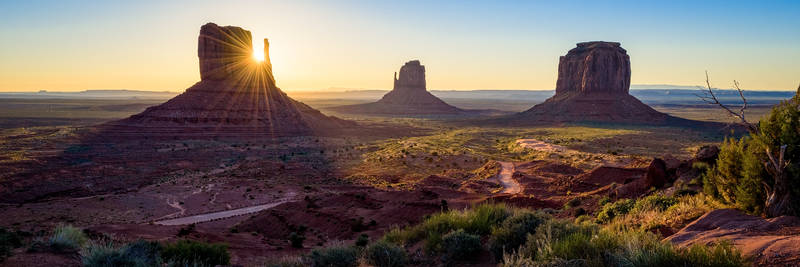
column 258, row 55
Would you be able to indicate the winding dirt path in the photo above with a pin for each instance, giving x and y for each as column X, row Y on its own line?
column 205, row 217
column 510, row 185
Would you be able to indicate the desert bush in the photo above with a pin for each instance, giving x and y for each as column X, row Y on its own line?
column 655, row 202
column 561, row 243
column 460, row 245
column 287, row 261
column 385, row 254
column 478, row 220
column 513, row 232
column 137, row 254
column 193, row 253
column 572, row 203
column 296, row 240
column 338, row 255
column 611, row 210
column 362, row 240
column 8, row 241
column 737, row 176
column 66, row 238
column 740, row 174
column 686, row 209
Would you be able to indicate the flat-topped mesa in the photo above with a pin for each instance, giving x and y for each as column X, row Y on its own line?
column 225, row 51
column 412, row 77
column 594, row 67
column 593, row 83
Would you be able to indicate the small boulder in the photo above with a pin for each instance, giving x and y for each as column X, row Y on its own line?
column 656, row 174
column 707, row 154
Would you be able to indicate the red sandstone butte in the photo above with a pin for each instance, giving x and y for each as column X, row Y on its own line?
column 236, row 96
column 593, row 83
column 409, row 96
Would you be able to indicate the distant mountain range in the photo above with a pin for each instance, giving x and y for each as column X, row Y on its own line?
column 654, row 94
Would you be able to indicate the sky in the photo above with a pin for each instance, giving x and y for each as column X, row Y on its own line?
column 465, row 45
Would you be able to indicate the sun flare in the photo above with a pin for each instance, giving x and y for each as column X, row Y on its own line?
column 258, row 55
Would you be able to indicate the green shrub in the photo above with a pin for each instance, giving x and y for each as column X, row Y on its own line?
column 460, row 245
column 478, row 220
column 611, row 210
column 604, row 200
column 137, row 254
column 736, row 178
column 739, row 174
column 8, row 241
column 193, row 253
column 296, row 240
column 66, row 238
column 572, row 203
column 362, row 240
column 655, row 202
column 514, row 231
column 335, row 256
column 561, row 243
column 385, row 254
column 722, row 254
column 564, row 240
column 287, row 261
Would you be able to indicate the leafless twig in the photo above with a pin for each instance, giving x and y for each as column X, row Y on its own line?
column 710, row 97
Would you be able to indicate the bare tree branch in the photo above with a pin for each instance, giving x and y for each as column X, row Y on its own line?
column 711, row 98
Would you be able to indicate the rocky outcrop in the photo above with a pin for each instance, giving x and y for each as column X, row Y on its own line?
column 236, row 96
column 593, row 83
column 409, row 96
column 768, row 242
column 656, row 175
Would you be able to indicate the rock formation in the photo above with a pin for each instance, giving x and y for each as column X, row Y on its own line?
column 408, row 97
column 236, row 96
column 593, row 83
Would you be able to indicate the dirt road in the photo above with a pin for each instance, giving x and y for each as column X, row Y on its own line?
column 205, row 217
column 510, row 185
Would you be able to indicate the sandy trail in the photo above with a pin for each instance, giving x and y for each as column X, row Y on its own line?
column 205, row 217
column 510, row 185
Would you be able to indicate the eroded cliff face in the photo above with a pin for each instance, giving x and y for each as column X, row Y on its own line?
column 220, row 49
column 594, row 67
column 236, row 96
column 412, row 77
column 593, row 83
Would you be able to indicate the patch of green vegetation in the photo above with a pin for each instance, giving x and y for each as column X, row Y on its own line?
column 137, row 254
column 193, row 253
column 560, row 243
column 617, row 208
column 459, row 245
column 522, row 237
column 287, row 261
column 65, row 238
column 339, row 255
column 744, row 174
column 512, row 233
column 9, row 240
column 385, row 254
column 478, row 220
column 656, row 211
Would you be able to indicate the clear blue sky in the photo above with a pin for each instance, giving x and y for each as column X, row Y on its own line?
column 151, row 45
